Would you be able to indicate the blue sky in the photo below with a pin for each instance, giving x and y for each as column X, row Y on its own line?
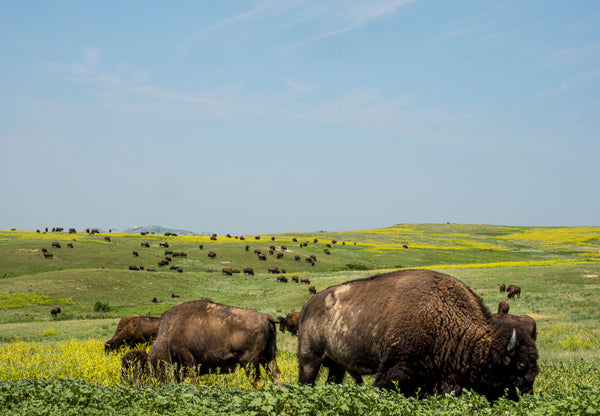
column 282, row 116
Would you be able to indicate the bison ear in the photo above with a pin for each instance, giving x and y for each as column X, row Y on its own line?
column 512, row 344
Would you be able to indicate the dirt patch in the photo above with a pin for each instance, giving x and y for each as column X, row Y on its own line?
column 28, row 249
column 591, row 276
column 225, row 262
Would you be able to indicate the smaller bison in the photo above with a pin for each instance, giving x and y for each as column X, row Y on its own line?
column 502, row 287
column 56, row 244
column 513, row 290
column 282, row 279
column 132, row 330
column 312, row 289
column 503, row 307
column 249, row 270
column 212, row 254
column 55, row 311
column 290, row 322
column 305, row 280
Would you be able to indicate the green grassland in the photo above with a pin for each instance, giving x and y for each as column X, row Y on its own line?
column 558, row 269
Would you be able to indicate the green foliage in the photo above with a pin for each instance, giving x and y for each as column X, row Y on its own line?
column 76, row 397
column 101, row 307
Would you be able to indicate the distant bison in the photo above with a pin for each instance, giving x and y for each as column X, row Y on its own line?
column 312, row 289
column 133, row 330
column 273, row 270
column 135, row 253
column 503, row 307
column 427, row 333
column 227, row 271
column 513, row 290
column 249, row 270
column 502, row 287
column 282, row 279
column 201, row 336
column 133, row 267
column 55, row 311
column 305, row 280
column 145, row 244
column 47, row 255
column 295, row 279
column 290, row 322
column 212, row 254
column 174, row 295
column 56, row 244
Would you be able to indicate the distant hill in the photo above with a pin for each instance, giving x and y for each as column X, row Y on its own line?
column 157, row 229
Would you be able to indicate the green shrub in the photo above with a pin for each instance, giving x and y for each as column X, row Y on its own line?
column 101, row 307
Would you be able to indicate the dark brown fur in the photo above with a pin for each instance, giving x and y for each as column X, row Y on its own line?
column 418, row 330
column 202, row 336
column 503, row 307
column 524, row 321
column 133, row 330
column 290, row 322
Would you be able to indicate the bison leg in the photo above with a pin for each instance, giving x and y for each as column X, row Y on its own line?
column 336, row 371
column 309, row 366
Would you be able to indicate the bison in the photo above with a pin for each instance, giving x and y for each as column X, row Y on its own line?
column 133, row 330
column 290, row 322
column 420, row 331
column 47, row 255
column 249, row 270
column 503, row 307
column 295, row 279
column 145, row 244
column 312, row 289
column 502, row 287
column 56, row 244
column 135, row 253
column 305, row 280
column 513, row 290
column 273, row 270
column 212, row 254
column 281, row 278
column 54, row 312
column 201, row 336
column 227, row 271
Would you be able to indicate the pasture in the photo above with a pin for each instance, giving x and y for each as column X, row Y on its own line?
column 60, row 363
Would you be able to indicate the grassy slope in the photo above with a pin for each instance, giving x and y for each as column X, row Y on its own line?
column 561, row 295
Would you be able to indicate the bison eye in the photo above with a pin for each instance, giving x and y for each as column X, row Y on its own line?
column 521, row 365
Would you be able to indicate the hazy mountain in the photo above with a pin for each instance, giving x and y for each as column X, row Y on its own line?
column 157, row 229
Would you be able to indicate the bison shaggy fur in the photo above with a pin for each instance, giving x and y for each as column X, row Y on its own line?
column 201, row 336
column 420, row 331
column 290, row 322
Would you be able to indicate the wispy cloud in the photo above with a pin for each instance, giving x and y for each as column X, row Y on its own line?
column 322, row 19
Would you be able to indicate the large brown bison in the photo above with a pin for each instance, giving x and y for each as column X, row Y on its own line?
column 133, row 330
column 290, row 322
column 420, row 330
column 202, row 336
column 503, row 307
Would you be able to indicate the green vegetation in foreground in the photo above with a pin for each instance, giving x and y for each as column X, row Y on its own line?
column 58, row 366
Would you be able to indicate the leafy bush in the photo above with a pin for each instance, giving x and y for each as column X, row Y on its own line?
column 357, row 266
column 101, row 307
column 48, row 332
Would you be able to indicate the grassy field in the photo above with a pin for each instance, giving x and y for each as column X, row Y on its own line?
column 558, row 269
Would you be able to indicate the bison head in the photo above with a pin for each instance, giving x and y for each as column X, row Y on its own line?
column 514, row 364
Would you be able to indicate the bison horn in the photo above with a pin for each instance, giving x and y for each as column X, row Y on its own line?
column 512, row 344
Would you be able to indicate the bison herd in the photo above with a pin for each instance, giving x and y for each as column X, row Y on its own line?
column 419, row 331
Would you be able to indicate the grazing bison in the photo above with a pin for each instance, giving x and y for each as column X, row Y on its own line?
column 290, row 322
column 154, row 300
column 279, row 255
column 212, row 254
column 513, row 290
column 297, row 257
column 107, row 238
column 227, row 271
column 201, row 246
column 281, row 278
column 249, row 270
column 295, row 279
column 174, row 295
column 145, row 244
column 326, row 251
column 135, row 253
column 55, row 311
column 273, row 270
column 47, row 255
column 262, row 257
column 503, row 307
column 502, row 287
column 70, row 245
column 202, row 336
column 133, row 330
column 305, row 280
column 133, row 267
column 163, row 244
column 56, row 244
column 421, row 331
column 312, row 289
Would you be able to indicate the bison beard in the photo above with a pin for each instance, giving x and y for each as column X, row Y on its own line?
column 201, row 336
column 421, row 331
